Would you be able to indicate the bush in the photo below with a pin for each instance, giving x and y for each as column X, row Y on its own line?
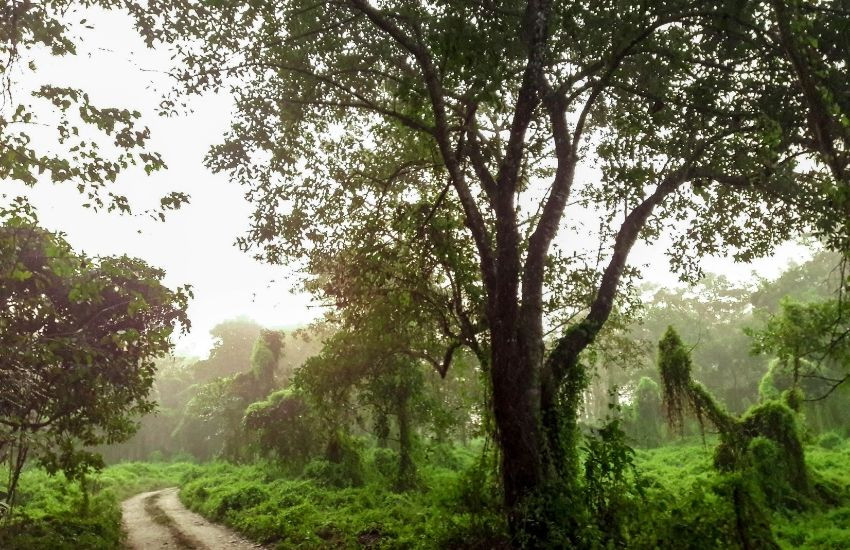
column 384, row 462
column 830, row 440
column 53, row 512
column 343, row 466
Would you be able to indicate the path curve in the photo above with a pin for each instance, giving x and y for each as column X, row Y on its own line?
column 157, row 520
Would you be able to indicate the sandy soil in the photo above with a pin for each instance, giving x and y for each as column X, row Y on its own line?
column 158, row 520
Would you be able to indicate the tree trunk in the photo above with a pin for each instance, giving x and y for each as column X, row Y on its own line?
column 406, row 468
column 16, row 466
column 516, row 409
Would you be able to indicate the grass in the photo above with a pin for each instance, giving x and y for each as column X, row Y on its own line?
column 453, row 506
column 53, row 513
column 268, row 507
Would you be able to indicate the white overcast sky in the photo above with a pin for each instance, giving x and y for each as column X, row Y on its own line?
column 196, row 244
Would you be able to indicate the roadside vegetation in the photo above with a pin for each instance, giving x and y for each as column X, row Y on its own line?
column 54, row 512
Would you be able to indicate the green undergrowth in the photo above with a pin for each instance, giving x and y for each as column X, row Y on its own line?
column 452, row 505
column 683, row 482
column 827, row 527
column 686, row 504
column 53, row 513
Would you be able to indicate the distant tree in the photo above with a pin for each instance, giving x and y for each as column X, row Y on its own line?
column 155, row 436
column 712, row 315
column 212, row 422
column 231, row 352
column 646, row 413
column 401, row 304
column 372, row 369
column 811, row 343
column 79, row 336
column 815, row 280
column 285, row 427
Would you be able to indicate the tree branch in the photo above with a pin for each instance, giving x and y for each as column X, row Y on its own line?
column 472, row 215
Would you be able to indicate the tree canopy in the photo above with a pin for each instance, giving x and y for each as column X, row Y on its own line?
column 50, row 131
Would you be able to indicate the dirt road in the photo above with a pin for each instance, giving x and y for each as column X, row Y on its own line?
column 157, row 520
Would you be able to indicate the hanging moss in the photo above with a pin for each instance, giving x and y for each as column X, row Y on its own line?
column 763, row 445
column 752, row 525
column 674, row 364
column 571, row 394
column 774, row 380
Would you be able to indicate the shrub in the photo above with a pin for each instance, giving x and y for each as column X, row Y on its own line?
column 830, row 440
column 332, row 474
column 385, row 462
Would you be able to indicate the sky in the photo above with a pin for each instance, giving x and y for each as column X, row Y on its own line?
column 195, row 245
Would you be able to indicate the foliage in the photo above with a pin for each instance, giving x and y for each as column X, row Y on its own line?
column 762, row 451
column 811, row 341
column 685, row 503
column 231, row 352
column 712, row 314
column 718, row 316
column 479, row 113
column 284, row 426
column 178, row 427
column 830, row 440
column 816, row 280
column 52, row 131
column 342, row 465
column 293, row 513
column 55, row 512
column 80, row 336
column 683, row 472
column 213, row 417
column 378, row 360
column 613, row 488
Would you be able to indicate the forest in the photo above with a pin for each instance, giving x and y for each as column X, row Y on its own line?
column 575, row 274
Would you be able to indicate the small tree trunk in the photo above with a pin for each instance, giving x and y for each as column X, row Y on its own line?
column 16, row 465
column 333, row 450
column 382, row 429
column 406, row 476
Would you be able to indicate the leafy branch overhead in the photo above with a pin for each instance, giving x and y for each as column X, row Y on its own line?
column 52, row 132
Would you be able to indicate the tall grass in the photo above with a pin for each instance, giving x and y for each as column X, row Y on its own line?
column 52, row 513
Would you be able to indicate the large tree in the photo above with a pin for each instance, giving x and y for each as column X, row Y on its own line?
column 79, row 337
column 697, row 112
